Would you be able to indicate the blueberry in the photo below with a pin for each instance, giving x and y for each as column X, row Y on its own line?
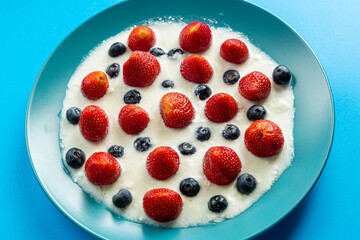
column 217, row 203
column 202, row 91
column 132, row 97
column 187, row 148
column 116, row 150
column 75, row 157
column 203, row 133
column 256, row 112
column 117, row 49
column 167, row 84
column 174, row 53
column 113, row 70
column 157, row 52
column 142, row 144
column 230, row 77
column 231, row 132
column 281, row 75
column 189, row 187
column 73, row 115
column 246, row 183
column 122, row 199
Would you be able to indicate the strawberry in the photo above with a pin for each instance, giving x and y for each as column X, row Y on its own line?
column 195, row 37
column 94, row 85
column 176, row 110
column 234, row 51
column 141, row 38
column 162, row 204
column 255, row 86
column 141, row 69
column 93, row 123
column 264, row 138
column 197, row 69
column 133, row 119
column 221, row 107
column 162, row 163
column 102, row 169
column 221, row 165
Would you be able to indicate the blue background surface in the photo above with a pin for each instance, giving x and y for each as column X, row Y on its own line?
column 30, row 30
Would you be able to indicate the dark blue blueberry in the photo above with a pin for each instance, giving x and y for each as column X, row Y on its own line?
column 113, row 70
column 217, row 203
column 203, row 133
column 231, row 132
column 73, row 115
column 132, row 97
column 167, row 84
column 122, row 199
column 202, row 91
column 157, row 52
column 116, row 150
column 174, row 53
column 117, row 49
column 231, row 77
column 281, row 75
column 189, row 187
column 256, row 112
column 187, row 148
column 142, row 144
column 75, row 157
column 246, row 183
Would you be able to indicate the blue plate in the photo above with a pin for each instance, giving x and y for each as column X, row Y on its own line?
column 314, row 117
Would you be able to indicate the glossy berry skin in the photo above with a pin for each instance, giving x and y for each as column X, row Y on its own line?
column 221, row 165
column 174, row 53
column 195, row 37
column 73, row 115
column 189, row 187
column 246, row 183
column 102, row 169
column 117, row 49
column 94, row 85
column 234, row 51
column 196, row 69
column 264, row 138
column 142, row 144
column 231, row 132
column 255, row 86
column 141, row 38
column 217, row 204
column 122, row 199
column 113, row 70
column 157, row 52
column 75, row 158
column 162, row 163
column 167, row 84
column 256, row 112
column 221, row 107
column 133, row 119
column 132, row 97
column 202, row 91
column 116, row 151
column 281, row 75
column 186, row 148
column 93, row 123
column 231, row 77
column 162, row 205
column 203, row 134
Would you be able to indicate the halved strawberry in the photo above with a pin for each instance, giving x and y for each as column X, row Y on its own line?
column 162, row 204
column 133, row 119
column 93, row 123
column 141, row 38
column 195, row 37
column 196, row 68
column 234, row 51
column 176, row 110
column 94, row 85
column 264, row 138
column 221, row 165
column 102, row 169
column 221, row 107
column 141, row 69
column 255, row 86
column 162, row 163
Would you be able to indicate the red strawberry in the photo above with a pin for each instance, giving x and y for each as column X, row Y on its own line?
column 94, row 85
column 221, row 107
column 234, row 51
column 264, row 138
column 102, row 169
column 195, row 37
column 162, row 204
column 176, row 110
column 93, row 123
column 133, row 119
column 221, row 165
column 255, row 86
column 196, row 68
column 141, row 38
column 141, row 69
column 162, row 163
